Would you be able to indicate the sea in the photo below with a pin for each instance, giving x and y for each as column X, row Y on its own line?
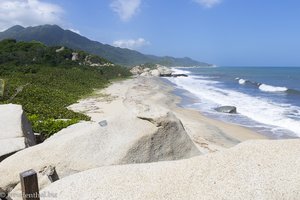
column 267, row 98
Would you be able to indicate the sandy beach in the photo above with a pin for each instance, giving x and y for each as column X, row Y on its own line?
column 139, row 141
column 154, row 97
column 236, row 163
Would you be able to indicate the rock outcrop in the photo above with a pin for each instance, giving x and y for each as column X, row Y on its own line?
column 179, row 75
column 164, row 71
column 155, row 72
column 169, row 142
column 227, row 109
column 137, row 70
column 88, row 145
column 60, row 49
column 15, row 130
column 75, row 56
column 251, row 170
column 158, row 71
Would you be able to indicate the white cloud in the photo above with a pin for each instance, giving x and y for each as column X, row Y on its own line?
column 74, row 30
column 208, row 3
column 131, row 44
column 28, row 13
column 125, row 8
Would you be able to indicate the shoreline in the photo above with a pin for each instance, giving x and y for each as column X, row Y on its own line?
column 148, row 95
column 137, row 123
column 270, row 113
column 187, row 98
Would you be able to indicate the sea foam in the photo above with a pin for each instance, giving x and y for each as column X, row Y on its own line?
column 270, row 88
column 258, row 109
column 242, row 81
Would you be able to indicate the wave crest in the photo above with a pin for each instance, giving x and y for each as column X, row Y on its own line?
column 262, row 86
column 270, row 88
column 242, row 81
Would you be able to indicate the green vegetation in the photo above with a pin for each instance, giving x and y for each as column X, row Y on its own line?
column 45, row 82
column 2, row 85
column 149, row 65
column 50, row 126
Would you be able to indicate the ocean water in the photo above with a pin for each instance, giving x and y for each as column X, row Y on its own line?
column 267, row 98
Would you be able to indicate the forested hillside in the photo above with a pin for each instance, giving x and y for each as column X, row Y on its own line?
column 45, row 80
column 52, row 35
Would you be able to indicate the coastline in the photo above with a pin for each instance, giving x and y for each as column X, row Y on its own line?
column 153, row 96
column 247, row 169
column 138, row 125
column 272, row 112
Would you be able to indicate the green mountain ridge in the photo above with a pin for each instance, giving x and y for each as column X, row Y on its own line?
column 53, row 35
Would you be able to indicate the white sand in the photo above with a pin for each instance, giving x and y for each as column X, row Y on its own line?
column 151, row 96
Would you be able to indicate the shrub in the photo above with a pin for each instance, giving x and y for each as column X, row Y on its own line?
column 49, row 126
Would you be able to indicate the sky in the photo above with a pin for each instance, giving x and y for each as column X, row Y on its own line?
column 221, row 32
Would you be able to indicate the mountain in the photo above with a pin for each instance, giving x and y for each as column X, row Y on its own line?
column 53, row 35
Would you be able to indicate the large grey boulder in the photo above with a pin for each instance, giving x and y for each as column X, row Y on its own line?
column 15, row 130
column 146, row 69
column 137, row 70
column 89, row 145
column 250, row 170
column 169, row 142
column 146, row 74
column 227, row 109
column 179, row 75
column 164, row 71
column 155, row 72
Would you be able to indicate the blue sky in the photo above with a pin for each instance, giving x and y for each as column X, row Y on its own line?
column 223, row 32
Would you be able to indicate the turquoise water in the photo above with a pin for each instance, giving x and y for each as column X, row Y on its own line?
column 267, row 98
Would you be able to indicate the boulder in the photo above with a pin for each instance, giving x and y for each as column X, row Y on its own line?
column 179, row 75
column 155, row 72
column 145, row 74
column 75, row 56
column 164, row 71
column 169, row 142
column 227, row 109
column 261, row 169
column 136, row 70
column 15, row 130
column 146, row 70
column 173, row 75
column 89, row 145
